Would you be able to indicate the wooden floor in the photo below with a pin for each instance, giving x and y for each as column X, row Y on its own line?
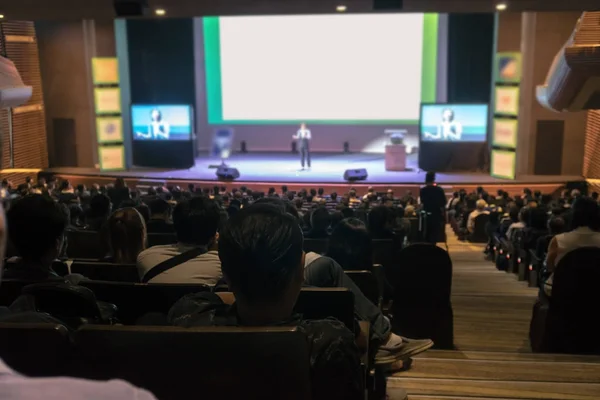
column 493, row 359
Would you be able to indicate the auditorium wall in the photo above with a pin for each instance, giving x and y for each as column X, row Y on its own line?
column 66, row 49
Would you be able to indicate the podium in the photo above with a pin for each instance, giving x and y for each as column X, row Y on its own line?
column 395, row 157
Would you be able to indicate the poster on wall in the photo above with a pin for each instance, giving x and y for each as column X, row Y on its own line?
column 507, row 68
column 108, row 100
column 105, row 71
column 506, row 101
column 503, row 164
column 505, row 132
column 109, row 129
column 111, row 158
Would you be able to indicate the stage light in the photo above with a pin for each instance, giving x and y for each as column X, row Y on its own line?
column 341, row 8
column 501, row 6
column 160, row 11
column 1, row 16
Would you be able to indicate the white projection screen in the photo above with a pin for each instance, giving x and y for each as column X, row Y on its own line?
column 341, row 69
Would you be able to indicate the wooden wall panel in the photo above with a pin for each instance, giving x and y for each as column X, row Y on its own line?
column 591, row 157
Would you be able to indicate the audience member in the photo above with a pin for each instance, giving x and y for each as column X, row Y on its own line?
column 160, row 216
column 194, row 258
column 520, row 224
column 127, row 236
column 99, row 211
column 381, row 222
column 350, row 245
column 37, row 227
column 319, row 224
column 433, row 200
column 480, row 206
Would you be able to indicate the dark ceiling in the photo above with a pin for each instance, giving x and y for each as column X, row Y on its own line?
column 100, row 9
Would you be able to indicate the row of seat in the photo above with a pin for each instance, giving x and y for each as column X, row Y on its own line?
column 172, row 363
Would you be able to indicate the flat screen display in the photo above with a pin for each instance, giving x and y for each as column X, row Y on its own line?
column 161, row 122
column 454, row 122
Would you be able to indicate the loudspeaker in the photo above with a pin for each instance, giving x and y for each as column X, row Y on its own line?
column 131, row 8
column 227, row 173
column 355, row 174
column 387, row 5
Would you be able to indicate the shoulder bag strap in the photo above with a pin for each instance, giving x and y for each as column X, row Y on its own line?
column 173, row 262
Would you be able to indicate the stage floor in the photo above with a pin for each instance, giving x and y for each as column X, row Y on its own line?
column 326, row 168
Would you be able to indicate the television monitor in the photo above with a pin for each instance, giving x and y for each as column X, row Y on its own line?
column 454, row 122
column 154, row 122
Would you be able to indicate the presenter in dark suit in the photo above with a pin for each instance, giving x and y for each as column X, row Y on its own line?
column 303, row 137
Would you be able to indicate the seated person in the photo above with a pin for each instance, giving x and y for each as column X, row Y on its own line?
column 520, row 224
column 350, row 245
column 480, row 206
column 16, row 386
column 196, row 223
column 319, row 224
column 37, row 231
column 585, row 225
column 127, row 236
column 160, row 213
column 381, row 221
column 536, row 229
column 556, row 226
column 263, row 264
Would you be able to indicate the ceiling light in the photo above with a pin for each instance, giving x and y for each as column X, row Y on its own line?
column 341, row 8
column 501, row 6
column 160, row 11
column 1, row 16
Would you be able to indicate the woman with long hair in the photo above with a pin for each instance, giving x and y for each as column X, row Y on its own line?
column 127, row 235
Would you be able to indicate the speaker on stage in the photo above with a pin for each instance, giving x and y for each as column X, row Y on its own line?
column 355, row 174
column 227, row 173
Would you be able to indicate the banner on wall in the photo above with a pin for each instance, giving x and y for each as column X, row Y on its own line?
column 505, row 132
column 506, row 101
column 503, row 164
column 105, row 71
column 507, row 68
column 109, row 129
column 108, row 100
column 112, row 158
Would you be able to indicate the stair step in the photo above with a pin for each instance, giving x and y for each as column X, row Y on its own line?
column 495, row 389
column 493, row 370
column 504, row 356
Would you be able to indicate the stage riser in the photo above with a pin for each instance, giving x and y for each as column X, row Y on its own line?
column 399, row 189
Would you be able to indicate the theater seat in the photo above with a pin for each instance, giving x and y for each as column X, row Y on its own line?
column 134, row 300
column 321, row 303
column 573, row 82
column 204, row 363
column 36, row 349
column 368, row 284
column 85, row 244
column 102, row 271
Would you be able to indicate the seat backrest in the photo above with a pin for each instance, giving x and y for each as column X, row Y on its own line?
column 134, row 300
column 35, row 349
column 321, row 303
column 368, row 285
column 215, row 363
column 318, row 246
column 10, row 290
column 479, row 234
column 85, row 244
column 70, row 303
column 158, row 239
column 572, row 324
column 102, row 271
column 385, row 251
column 415, row 232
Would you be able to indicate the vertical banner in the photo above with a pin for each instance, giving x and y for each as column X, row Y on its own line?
column 109, row 125
column 506, row 99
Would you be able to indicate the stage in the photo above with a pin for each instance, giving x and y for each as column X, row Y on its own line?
column 274, row 169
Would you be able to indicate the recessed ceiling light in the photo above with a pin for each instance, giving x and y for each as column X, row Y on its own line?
column 1, row 16
column 341, row 8
column 160, row 11
column 501, row 6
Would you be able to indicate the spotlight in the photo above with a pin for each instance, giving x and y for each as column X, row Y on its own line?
column 1, row 16
column 341, row 8
column 160, row 11
column 501, row 6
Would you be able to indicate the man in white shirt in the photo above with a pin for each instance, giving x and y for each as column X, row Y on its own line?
column 303, row 136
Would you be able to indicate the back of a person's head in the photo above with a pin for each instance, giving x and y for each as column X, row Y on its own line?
column 350, row 245
column 513, row 212
column 480, row 205
column 556, row 225
column 36, row 226
column 595, row 196
column 271, row 191
column 333, row 196
column 159, row 206
column 379, row 218
column 285, row 206
column 284, row 189
column 321, row 191
column 76, row 213
column 586, row 213
column 471, row 202
column 524, row 214
column 527, row 192
column 430, row 177
column 347, row 212
column 127, row 235
column 100, row 206
column 261, row 254
column 538, row 218
column 196, row 221
column 319, row 219
column 313, row 192
column 409, row 211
